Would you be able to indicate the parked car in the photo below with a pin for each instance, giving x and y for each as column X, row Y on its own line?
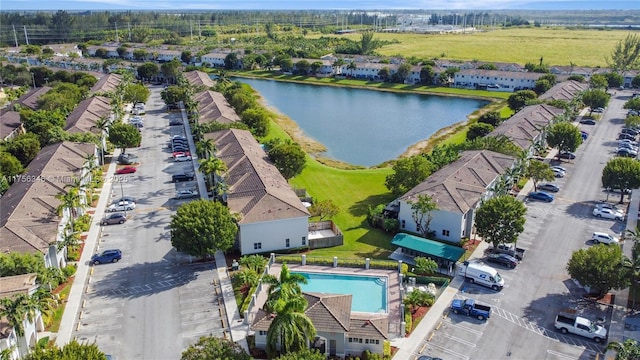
column 604, row 238
column 626, row 152
column 567, row 155
column 607, row 206
column 121, row 206
column 182, row 157
column 558, row 173
column 540, row 195
column 502, row 259
column 126, row 170
column 559, row 168
column 631, row 131
column 548, row 187
column 186, row 193
column 598, row 110
column 175, row 122
column 627, row 146
column 111, row 255
column 115, row 218
column 588, row 122
column 628, row 141
column 180, row 148
column 182, row 177
column 608, row 214
column 181, row 153
column 127, row 159
column 623, row 136
column 584, row 135
column 125, row 198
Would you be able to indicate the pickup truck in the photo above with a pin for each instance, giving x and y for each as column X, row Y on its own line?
column 570, row 323
column 516, row 252
column 469, row 307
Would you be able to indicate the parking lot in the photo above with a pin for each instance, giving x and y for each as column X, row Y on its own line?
column 154, row 302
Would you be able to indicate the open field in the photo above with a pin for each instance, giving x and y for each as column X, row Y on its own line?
column 557, row 46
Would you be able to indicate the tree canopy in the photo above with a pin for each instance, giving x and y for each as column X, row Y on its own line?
column 599, row 267
column 500, row 220
column 325, row 209
column 621, row 173
column 407, row 173
column 202, row 227
column 288, row 157
column 209, row 347
column 71, row 350
column 124, row 136
column 519, row 99
column 421, row 209
column 595, row 98
column 564, row 136
column 626, row 54
column 539, row 171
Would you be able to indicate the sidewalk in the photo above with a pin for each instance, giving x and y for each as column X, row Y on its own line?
column 73, row 306
column 236, row 323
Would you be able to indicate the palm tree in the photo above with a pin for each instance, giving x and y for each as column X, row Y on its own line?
column 254, row 262
column 352, row 67
column 102, row 124
column 69, row 239
column 285, row 287
column 16, row 309
column 627, row 350
column 69, row 200
column 291, row 328
column 247, row 278
column 205, row 148
column 212, row 167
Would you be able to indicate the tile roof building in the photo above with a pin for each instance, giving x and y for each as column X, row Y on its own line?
column 10, row 341
column 457, row 189
column 199, row 78
column 29, row 221
column 30, row 99
column 525, row 127
column 565, row 91
column 272, row 215
column 85, row 116
column 212, row 106
column 10, row 124
column 107, row 83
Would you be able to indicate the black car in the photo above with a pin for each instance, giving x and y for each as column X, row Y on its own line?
column 548, row 187
column 127, row 159
column 182, row 177
column 588, row 122
column 567, row 155
column 626, row 153
column 502, row 259
column 115, row 218
column 625, row 136
column 174, row 122
column 630, row 131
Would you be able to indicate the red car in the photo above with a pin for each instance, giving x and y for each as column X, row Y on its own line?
column 185, row 153
column 126, row 170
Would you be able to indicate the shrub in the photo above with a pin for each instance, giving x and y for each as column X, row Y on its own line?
column 407, row 319
column 73, row 253
column 69, row 270
column 82, row 223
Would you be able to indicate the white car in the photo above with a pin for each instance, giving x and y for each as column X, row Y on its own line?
column 186, row 193
column 604, row 238
column 608, row 213
column 558, row 173
column 121, row 206
column 182, row 157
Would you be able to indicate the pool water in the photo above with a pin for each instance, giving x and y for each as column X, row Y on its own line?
column 369, row 292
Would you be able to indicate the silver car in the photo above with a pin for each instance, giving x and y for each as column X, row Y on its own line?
column 186, row 193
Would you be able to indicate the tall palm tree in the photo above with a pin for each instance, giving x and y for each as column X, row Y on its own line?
column 205, row 148
column 255, row 262
column 213, row 168
column 16, row 309
column 291, row 328
column 69, row 200
column 627, row 350
column 285, row 287
column 102, row 124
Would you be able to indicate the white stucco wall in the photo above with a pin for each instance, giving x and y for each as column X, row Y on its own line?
column 442, row 220
column 272, row 235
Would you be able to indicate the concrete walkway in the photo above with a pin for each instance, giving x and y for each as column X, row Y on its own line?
column 73, row 306
column 236, row 324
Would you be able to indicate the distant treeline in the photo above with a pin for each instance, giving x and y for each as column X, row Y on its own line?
column 49, row 27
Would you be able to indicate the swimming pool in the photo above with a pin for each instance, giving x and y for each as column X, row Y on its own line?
column 369, row 292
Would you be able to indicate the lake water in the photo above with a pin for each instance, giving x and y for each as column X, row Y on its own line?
column 363, row 127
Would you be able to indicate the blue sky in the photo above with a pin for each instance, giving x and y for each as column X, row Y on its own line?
column 317, row 4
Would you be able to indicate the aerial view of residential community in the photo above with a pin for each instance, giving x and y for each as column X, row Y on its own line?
column 313, row 180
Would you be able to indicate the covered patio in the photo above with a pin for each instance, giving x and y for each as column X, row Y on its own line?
column 411, row 246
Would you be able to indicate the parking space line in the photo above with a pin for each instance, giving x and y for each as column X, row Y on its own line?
column 559, row 354
column 457, row 339
column 448, row 351
column 473, row 331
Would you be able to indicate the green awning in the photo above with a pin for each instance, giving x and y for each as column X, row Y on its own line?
column 429, row 247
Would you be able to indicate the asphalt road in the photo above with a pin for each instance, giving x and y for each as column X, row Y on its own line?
column 522, row 322
column 154, row 302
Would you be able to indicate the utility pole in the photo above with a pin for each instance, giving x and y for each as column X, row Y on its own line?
column 129, row 26
column 191, row 30
column 199, row 30
column 15, row 37
column 116, row 26
column 26, row 36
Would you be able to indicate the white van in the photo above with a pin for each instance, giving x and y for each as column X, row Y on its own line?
column 482, row 274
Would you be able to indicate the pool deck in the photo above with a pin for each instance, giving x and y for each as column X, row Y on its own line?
column 394, row 303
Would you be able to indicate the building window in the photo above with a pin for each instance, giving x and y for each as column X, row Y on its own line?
column 287, row 243
column 350, row 339
column 304, row 240
column 257, row 246
column 366, row 341
column 445, row 232
column 377, row 342
column 262, row 333
column 403, row 224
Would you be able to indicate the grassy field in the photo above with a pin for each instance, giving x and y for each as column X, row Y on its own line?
column 557, row 46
